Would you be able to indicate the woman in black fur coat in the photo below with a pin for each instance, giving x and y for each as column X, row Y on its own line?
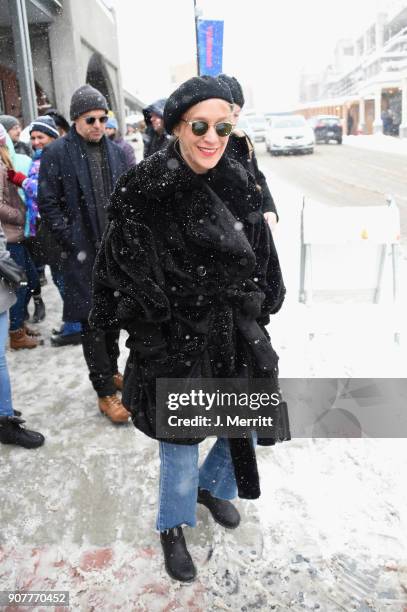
column 188, row 267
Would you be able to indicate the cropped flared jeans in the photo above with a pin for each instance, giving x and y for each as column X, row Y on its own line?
column 180, row 478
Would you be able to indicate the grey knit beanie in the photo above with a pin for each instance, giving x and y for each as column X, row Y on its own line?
column 85, row 99
column 8, row 121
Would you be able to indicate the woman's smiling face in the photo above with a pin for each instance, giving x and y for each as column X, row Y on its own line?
column 202, row 153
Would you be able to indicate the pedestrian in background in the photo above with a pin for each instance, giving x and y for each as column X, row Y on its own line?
column 155, row 136
column 241, row 148
column 134, row 137
column 112, row 132
column 13, row 218
column 77, row 175
column 60, row 121
column 13, row 128
column 188, row 267
column 349, row 122
column 11, row 429
column 42, row 131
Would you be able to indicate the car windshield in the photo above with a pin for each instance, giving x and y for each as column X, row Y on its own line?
column 291, row 122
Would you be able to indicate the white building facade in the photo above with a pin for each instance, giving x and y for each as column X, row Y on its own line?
column 367, row 83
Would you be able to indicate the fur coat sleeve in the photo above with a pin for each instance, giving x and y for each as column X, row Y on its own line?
column 127, row 277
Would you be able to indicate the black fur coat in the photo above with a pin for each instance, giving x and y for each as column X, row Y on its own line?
column 188, row 267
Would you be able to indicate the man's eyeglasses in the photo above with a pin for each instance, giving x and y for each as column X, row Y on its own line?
column 199, row 127
column 92, row 120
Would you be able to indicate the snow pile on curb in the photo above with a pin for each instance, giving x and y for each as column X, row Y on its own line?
column 378, row 142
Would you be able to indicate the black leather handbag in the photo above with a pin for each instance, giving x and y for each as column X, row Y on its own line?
column 12, row 274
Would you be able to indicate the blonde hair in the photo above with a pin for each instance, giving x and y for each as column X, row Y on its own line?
column 5, row 157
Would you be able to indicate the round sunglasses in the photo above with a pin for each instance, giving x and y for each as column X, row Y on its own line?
column 200, row 127
column 92, row 120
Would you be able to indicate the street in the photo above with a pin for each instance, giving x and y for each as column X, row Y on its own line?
column 342, row 176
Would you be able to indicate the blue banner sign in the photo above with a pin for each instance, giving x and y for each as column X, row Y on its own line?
column 210, row 46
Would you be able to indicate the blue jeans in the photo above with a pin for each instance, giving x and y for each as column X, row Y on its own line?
column 6, row 404
column 69, row 327
column 180, row 478
column 23, row 258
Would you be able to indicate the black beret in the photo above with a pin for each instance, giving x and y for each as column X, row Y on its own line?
column 235, row 88
column 192, row 92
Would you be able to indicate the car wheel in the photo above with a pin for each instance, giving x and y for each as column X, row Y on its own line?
column 339, row 141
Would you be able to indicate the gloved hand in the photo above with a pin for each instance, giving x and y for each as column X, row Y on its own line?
column 17, row 178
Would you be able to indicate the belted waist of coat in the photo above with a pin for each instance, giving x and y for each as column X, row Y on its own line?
column 246, row 307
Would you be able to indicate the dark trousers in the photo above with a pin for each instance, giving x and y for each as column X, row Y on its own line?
column 101, row 352
column 22, row 257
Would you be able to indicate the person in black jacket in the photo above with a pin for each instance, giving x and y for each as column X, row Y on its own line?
column 241, row 148
column 155, row 137
column 189, row 268
column 77, row 174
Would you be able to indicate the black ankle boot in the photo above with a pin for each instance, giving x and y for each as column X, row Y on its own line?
column 39, row 310
column 223, row 511
column 178, row 562
column 11, row 432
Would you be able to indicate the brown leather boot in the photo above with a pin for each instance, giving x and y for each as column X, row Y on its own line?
column 111, row 406
column 31, row 332
column 118, row 381
column 20, row 340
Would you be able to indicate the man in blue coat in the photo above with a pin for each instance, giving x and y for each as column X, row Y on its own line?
column 77, row 175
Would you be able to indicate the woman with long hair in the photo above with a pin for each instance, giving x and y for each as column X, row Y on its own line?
column 13, row 218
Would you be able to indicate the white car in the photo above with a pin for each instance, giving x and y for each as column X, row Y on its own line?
column 258, row 124
column 243, row 124
column 289, row 134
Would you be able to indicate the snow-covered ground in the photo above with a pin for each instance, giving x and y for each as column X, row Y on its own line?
column 378, row 142
column 328, row 533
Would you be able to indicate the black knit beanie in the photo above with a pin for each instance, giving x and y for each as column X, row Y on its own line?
column 46, row 125
column 192, row 92
column 59, row 119
column 235, row 88
column 85, row 99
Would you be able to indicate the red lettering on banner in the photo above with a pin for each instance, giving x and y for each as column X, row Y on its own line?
column 209, row 46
